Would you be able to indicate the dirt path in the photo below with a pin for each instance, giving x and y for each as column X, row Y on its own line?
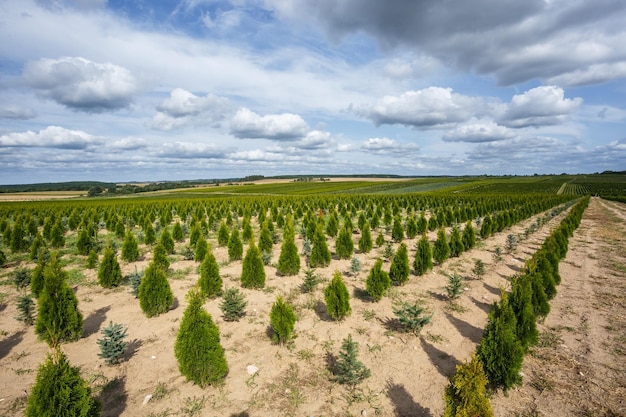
column 578, row 368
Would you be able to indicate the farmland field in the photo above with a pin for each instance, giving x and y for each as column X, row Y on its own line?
column 580, row 342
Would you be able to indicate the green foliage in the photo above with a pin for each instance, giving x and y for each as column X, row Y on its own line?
column 499, row 350
column 210, row 281
column 233, row 304
column 466, row 395
column 441, row 249
column 197, row 348
column 310, row 281
column 86, row 240
column 253, row 270
column 289, row 260
column 57, row 235
column 454, row 287
column 3, row 258
column 167, row 241
column 378, row 281
column 479, row 269
column 350, row 371
column 423, row 256
column 223, row 236
column 282, row 321
column 112, row 345
column 411, row 316
column 469, row 236
column 59, row 390
column 380, row 240
column 397, row 231
column 194, row 235
column 130, row 247
column 456, row 242
column 58, row 318
column 365, row 242
column 134, row 279
column 344, row 247
column 486, row 227
column 155, row 295
column 201, row 250
column 355, row 266
column 150, row 234
column 38, row 243
column 332, row 226
column 21, row 278
column 522, row 306
column 25, row 310
column 36, row 279
column 265, row 239
column 247, row 230
column 177, row 232
column 411, row 227
column 235, row 246
column 337, row 298
column 92, row 260
column 109, row 273
column 400, row 268
column 320, row 254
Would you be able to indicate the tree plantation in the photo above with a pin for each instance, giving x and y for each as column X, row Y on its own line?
column 256, row 300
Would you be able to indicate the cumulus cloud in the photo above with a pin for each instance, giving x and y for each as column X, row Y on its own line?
column 189, row 150
column 431, row 107
column 286, row 126
column 16, row 112
column 81, row 84
column 478, row 131
column 592, row 74
column 385, row 146
column 541, row 106
column 183, row 108
column 50, row 137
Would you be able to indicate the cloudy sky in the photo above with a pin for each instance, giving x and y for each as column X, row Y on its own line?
column 121, row 90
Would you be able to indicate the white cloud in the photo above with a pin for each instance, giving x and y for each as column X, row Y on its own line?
column 285, row 126
column 189, row 150
column 592, row 74
column 81, row 84
column 50, row 137
column 477, row 131
column 432, row 107
column 183, row 108
column 540, row 106
column 16, row 112
column 385, row 146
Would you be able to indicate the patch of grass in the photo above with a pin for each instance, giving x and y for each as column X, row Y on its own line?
column 19, row 355
column 192, row 406
column 368, row 315
column 179, row 274
column 435, row 338
column 23, row 371
column 361, row 330
column 549, row 339
column 541, row 383
column 160, row 391
column 456, row 307
column 75, row 276
column 305, row 355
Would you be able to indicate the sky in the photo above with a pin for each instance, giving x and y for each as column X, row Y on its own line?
column 146, row 90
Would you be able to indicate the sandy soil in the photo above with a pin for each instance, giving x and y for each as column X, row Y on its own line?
column 43, row 195
column 409, row 372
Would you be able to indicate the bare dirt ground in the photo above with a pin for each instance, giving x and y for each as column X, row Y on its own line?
column 42, row 195
column 409, row 373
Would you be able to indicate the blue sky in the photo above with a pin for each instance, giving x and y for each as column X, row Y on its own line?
column 145, row 90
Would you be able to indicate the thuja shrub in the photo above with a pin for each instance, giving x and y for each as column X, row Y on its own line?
column 59, row 390
column 400, row 268
column 167, row 241
column 365, row 242
column 466, row 395
column 223, row 235
column 235, row 246
column 155, row 294
column 469, row 236
column 197, row 348
column 130, row 247
column 423, row 256
column 378, row 281
column 282, row 321
column 253, row 270
column 320, row 254
column 344, row 247
column 337, row 298
column 109, row 273
column 201, row 249
column 210, row 281
column 289, row 260
column 441, row 249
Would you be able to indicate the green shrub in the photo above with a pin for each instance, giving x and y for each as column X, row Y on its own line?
column 58, row 319
column 235, row 246
column 378, row 281
column 253, row 270
column 197, row 348
column 265, row 239
column 134, row 279
column 112, row 345
column 397, row 231
column 167, row 241
column 456, row 242
column 454, row 287
column 155, row 294
column 411, row 316
column 59, row 390
column 210, row 281
column 320, row 254
column 466, row 394
column 177, row 232
column 349, row 370
column 365, row 242
column 400, row 268
column 21, row 278
column 441, row 249
column 36, row 279
column 223, row 235
column 25, row 309
column 201, row 249
column 469, row 236
column 109, row 273
column 130, row 248
column 159, row 257
column 380, row 240
column 289, row 260
column 337, row 298
column 282, row 321
column 233, row 304
column 310, row 281
column 344, row 247
column 479, row 269
column 522, row 306
column 423, row 256
column 92, row 260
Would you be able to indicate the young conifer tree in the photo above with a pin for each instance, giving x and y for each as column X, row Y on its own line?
column 411, row 227
column 456, row 242
column 149, row 234
column 59, row 390
column 113, row 343
column 282, row 321
column 197, row 348
column 466, row 394
column 522, row 306
column 350, row 371
column 400, row 268
column 265, row 239
column 397, row 231
column 155, row 294
column 130, row 247
column 289, row 260
column 253, row 270
column 167, row 241
column 58, row 318
column 469, row 236
column 194, row 235
column 210, row 281
column 441, row 249
column 378, row 281
column 109, row 273
column 36, row 279
column 160, row 257
column 222, row 234
column 177, row 232
column 500, row 351
column 233, row 304
column 423, row 257
column 201, row 249
column 235, row 246
column 344, row 247
column 320, row 254
column 365, row 242
column 337, row 298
